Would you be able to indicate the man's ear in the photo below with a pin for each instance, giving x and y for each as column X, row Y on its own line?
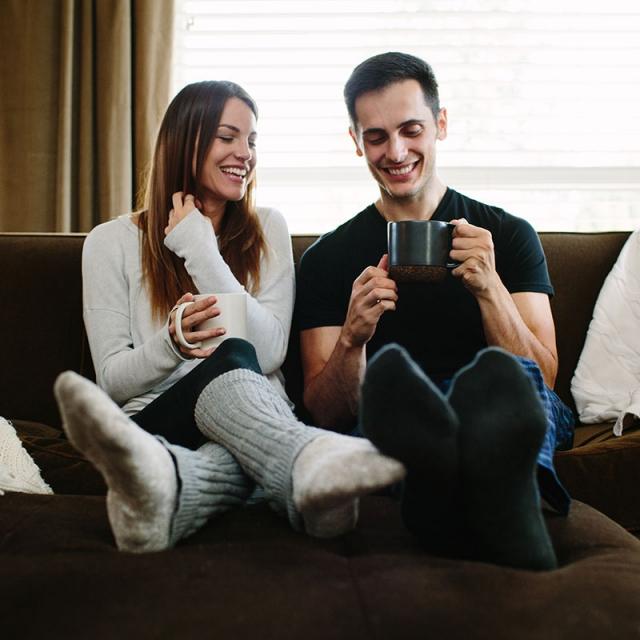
column 441, row 123
column 354, row 137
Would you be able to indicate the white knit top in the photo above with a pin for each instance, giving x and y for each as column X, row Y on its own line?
column 134, row 356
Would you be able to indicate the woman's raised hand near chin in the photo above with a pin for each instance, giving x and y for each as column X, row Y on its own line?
column 183, row 205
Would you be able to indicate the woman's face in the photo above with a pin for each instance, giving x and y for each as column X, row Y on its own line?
column 230, row 164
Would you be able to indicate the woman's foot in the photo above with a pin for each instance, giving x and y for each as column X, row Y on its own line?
column 139, row 471
column 329, row 476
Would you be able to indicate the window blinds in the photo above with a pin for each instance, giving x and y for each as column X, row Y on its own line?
column 542, row 98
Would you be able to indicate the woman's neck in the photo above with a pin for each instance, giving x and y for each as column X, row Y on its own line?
column 215, row 212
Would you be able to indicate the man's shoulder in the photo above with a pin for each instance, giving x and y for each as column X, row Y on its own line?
column 485, row 215
column 343, row 238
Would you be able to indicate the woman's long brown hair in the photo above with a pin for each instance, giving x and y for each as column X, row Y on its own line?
column 187, row 131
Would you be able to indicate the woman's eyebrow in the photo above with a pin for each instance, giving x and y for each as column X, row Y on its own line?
column 235, row 129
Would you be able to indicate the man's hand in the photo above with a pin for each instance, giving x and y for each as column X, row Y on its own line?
column 372, row 294
column 473, row 248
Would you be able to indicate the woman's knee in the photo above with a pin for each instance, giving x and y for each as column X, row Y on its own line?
column 234, row 353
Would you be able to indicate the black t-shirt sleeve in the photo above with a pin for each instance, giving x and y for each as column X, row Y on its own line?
column 520, row 259
column 320, row 297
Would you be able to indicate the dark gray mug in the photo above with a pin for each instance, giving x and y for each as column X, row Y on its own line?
column 419, row 250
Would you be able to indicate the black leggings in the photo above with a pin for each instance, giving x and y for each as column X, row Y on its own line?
column 171, row 414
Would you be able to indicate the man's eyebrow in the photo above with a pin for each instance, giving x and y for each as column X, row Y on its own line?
column 378, row 130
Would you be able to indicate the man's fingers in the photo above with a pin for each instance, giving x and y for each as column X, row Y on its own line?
column 384, row 262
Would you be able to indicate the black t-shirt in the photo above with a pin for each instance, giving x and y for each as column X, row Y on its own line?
column 439, row 324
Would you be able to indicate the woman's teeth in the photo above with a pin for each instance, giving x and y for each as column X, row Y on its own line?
column 236, row 171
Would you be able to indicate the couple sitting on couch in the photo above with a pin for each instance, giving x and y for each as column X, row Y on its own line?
column 424, row 372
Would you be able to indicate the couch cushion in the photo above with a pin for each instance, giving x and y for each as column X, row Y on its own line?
column 603, row 470
column 41, row 321
column 247, row 574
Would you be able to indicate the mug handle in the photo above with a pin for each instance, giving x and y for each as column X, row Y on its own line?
column 178, row 325
column 452, row 264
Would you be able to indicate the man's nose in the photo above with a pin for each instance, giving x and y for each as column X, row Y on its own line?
column 397, row 149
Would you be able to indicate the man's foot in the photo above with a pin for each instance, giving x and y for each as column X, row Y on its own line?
column 138, row 470
column 329, row 476
column 407, row 417
column 502, row 426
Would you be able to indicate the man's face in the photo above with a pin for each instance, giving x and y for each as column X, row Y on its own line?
column 396, row 132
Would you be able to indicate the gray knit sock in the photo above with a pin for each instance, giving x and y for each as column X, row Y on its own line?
column 242, row 411
column 211, row 482
column 158, row 493
column 138, row 470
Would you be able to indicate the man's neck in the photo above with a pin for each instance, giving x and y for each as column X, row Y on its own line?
column 420, row 207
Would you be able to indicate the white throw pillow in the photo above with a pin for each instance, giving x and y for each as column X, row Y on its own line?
column 18, row 471
column 606, row 383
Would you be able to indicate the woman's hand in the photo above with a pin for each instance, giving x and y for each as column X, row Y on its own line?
column 182, row 207
column 194, row 314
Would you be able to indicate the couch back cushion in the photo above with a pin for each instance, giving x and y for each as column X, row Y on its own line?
column 43, row 334
column 40, row 321
column 578, row 266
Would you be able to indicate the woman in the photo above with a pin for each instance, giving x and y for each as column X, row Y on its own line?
column 219, row 425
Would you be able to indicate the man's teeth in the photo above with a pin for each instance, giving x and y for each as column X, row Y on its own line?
column 236, row 171
column 402, row 170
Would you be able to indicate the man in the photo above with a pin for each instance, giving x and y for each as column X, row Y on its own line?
column 390, row 352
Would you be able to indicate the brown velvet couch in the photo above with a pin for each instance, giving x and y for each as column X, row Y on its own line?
column 246, row 574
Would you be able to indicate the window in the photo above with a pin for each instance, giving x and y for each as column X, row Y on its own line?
column 543, row 99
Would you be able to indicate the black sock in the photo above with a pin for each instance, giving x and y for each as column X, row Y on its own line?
column 502, row 426
column 408, row 418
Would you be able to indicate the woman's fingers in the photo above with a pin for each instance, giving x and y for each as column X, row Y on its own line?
column 176, row 198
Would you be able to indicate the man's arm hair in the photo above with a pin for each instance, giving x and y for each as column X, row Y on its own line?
column 522, row 323
column 333, row 373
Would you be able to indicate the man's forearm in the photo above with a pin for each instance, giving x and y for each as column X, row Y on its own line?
column 332, row 396
column 504, row 327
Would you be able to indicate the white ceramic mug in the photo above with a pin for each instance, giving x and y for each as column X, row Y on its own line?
column 233, row 317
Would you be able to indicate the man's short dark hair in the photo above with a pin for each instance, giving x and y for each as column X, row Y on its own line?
column 380, row 71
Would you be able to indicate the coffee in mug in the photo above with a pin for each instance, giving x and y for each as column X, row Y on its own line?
column 419, row 250
column 233, row 317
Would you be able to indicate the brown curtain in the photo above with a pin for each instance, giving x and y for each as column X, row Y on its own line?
column 84, row 84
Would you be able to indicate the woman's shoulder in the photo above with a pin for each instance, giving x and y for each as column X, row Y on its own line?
column 122, row 226
column 121, row 232
column 271, row 218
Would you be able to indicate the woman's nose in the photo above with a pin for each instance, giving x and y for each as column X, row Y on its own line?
column 244, row 150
